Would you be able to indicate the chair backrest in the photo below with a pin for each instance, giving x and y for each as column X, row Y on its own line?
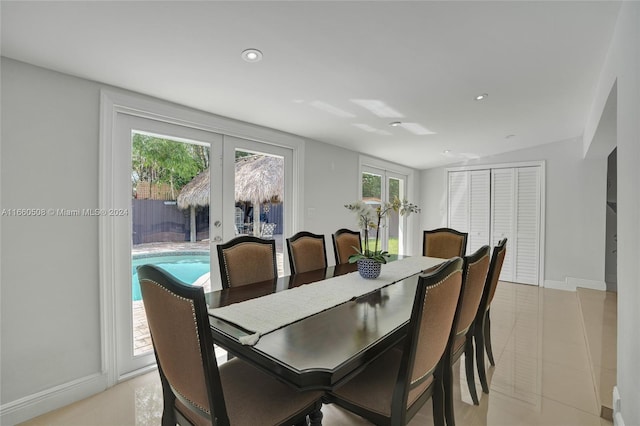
column 474, row 275
column 444, row 243
column 430, row 329
column 491, row 283
column 183, row 345
column 247, row 259
column 344, row 241
column 307, row 252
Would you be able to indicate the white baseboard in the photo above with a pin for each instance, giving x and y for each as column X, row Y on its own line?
column 583, row 283
column 50, row 399
column 557, row 285
column 617, row 415
column 571, row 284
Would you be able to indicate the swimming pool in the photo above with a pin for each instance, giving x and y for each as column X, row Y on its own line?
column 187, row 267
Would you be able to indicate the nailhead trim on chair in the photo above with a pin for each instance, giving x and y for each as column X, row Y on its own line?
column 434, row 366
column 193, row 312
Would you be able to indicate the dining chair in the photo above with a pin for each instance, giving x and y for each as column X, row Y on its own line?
column 392, row 388
column 307, row 252
column 444, row 243
column 247, row 259
column 345, row 243
column 195, row 389
column 482, row 331
column 474, row 274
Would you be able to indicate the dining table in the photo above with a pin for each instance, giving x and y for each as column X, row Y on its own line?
column 323, row 349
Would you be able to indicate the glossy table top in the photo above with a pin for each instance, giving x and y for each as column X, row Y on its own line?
column 320, row 351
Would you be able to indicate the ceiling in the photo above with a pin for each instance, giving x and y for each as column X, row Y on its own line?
column 340, row 72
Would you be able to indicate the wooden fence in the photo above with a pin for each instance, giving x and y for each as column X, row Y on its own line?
column 162, row 221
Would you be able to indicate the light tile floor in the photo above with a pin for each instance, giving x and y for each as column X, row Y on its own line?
column 542, row 374
column 600, row 326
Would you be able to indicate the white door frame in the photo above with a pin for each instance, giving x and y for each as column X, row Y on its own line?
column 125, row 125
column 371, row 164
column 114, row 102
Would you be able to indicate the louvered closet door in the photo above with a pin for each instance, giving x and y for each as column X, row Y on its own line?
column 479, row 209
column 527, row 214
column 515, row 207
column 502, row 209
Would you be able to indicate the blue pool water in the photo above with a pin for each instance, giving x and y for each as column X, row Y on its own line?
column 187, row 267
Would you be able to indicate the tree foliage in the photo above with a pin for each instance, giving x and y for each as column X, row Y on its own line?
column 156, row 160
column 372, row 187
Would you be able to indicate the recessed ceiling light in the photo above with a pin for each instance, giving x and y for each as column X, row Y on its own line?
column 481, row 97
column 395, row 123
column 252, row 55
column 446, row 151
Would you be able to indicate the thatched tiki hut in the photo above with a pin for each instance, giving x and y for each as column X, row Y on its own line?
column 195, row 194
column 259, row 179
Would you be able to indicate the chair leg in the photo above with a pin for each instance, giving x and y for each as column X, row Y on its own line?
column 487, row 337
column 315, row 417
column 447, row 385
column 438, row 401
column 482, row 374
column 468, row 364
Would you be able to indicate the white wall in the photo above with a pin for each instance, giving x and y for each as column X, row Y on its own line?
column 331, row 181
column 622, row 68
column 575, row 208
column 50, row 295
column 51, row 353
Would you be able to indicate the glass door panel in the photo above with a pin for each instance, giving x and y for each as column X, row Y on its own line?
column 167, row 188
column 261, row 194
column 381, row 186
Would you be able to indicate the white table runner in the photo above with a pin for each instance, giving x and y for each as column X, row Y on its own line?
column 268, row 313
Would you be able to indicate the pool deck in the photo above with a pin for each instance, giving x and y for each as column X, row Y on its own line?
column 141, row 337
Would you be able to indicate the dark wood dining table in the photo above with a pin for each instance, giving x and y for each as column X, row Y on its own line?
column 325, row 349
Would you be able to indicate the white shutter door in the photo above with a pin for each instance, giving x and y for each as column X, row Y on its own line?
column 458, row 209
column 527, row 217
column 502, row 214
column 479, row 210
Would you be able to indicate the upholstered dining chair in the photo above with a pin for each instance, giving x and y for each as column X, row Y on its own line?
column 247, row 259
column 344, row 241
column 307, row 252
column 391, row 389
column 482, row 332
column 195, row 389
column 474, row 275
column 444, row 243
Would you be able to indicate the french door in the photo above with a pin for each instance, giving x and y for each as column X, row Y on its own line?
column 262, row 199
column 379, row 186
column 170, row 214
column 148, row 181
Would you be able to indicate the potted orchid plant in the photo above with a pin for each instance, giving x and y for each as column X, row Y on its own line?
column 371, row 217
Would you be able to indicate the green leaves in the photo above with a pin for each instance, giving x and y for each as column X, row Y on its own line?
column 158, row 160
